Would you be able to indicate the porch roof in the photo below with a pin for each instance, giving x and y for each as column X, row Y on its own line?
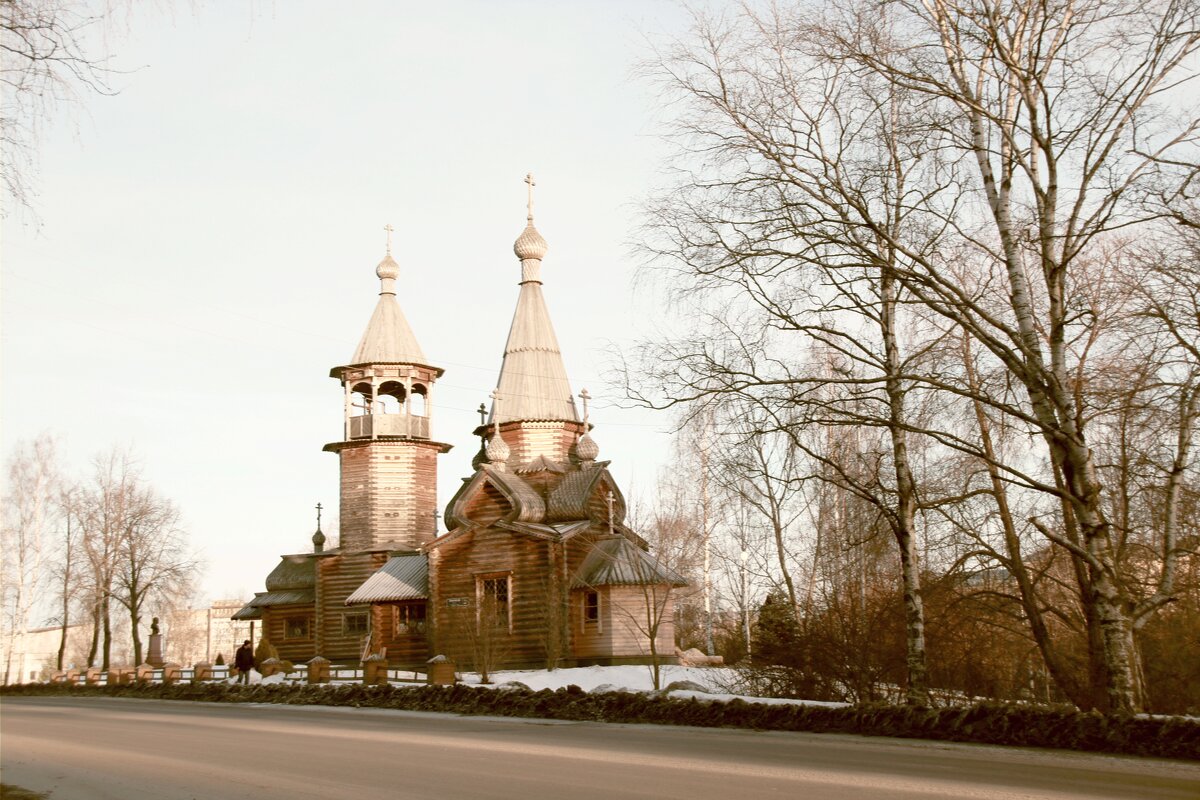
column 253, row 609
column 401, row 578
column 620, row 562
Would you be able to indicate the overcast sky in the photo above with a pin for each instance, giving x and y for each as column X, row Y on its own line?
column 205, row 240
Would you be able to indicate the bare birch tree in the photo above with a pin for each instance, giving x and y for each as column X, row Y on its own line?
column 782, row 229
column 153, row 560
column 137, row 552
column 29, row 508
column 66, row 569
column 45, row 60
column 968, row 159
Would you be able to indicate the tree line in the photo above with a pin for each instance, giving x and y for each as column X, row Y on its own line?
column 88, row 551
column 932, row 294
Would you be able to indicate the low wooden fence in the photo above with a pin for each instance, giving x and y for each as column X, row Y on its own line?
column 370, row 673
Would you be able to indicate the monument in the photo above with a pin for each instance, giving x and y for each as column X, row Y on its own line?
column 155, row 655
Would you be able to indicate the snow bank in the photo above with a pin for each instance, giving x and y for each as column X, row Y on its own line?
column 603, row 679
column 630, row 678
column 636, row 679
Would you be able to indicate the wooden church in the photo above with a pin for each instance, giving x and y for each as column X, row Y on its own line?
column 536, row 568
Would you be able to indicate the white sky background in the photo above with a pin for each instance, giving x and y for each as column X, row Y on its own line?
column 206, row 240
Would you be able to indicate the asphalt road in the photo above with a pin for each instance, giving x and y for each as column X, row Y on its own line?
column 79, row 749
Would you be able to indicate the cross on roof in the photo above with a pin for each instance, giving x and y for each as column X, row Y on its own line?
column 482, row 413
column 389, row 230
column 529, row 204
column 495, row 395
column 318, row 516
column 585, row 397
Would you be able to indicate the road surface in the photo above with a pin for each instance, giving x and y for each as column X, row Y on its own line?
column 84, row 748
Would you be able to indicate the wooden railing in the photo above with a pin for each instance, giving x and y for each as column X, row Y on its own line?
column 217, row 674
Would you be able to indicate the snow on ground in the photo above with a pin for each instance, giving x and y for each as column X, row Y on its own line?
column 638, row 679
column 622, row 678
column 631, row 678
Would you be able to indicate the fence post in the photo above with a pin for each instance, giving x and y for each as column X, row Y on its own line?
column 318, row 670
column 202, row 672
column 441, row 672
column 375, row 669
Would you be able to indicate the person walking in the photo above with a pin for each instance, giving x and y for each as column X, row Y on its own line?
column 244, row 661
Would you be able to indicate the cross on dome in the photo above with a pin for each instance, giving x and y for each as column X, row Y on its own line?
column 530, row 246
column 586, row 448
column 318, row 537
column 497, row 449
column 388, row 269
column 584, row 396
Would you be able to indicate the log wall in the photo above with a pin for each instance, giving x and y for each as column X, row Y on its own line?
column 528, row 440
column 490, row 551
column 299, row 650
column 404, row 649
column 339, row 577
column 388, row 493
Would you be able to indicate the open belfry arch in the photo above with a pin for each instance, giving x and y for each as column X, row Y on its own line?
column 537, row 566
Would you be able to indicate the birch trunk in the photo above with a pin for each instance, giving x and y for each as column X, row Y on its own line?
column 1015, row 561
column 904, row 518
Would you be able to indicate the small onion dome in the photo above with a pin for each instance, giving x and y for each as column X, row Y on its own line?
column 586, row 448
column 388, row 268
column 481, row 457
column 318, row 540
column 530, row 244
column 497, row 450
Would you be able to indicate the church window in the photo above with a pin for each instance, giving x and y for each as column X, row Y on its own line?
column 495, row 600
column 295, row 628
column 591, row 607
column 354, row 623
column 409, row 619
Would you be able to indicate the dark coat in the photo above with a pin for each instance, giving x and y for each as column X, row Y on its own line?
column 244, row 659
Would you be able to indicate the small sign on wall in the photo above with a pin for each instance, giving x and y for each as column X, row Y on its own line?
column 458, row 601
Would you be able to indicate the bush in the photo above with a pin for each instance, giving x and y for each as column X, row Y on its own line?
column 986, row 723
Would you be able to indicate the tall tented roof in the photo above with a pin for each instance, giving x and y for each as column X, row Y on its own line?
column 533, row 381
column 388, row 338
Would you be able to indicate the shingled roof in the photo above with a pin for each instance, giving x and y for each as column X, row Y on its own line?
column 526, row 502
column 620, row 562
column 290, row 597
column 403, row 577
column 388, row 338
column 533, row 381
column 569, row 499
column 295, row 572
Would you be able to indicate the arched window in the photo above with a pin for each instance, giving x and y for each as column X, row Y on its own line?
column 418, row 400
column 391, row 398
column 360, row 399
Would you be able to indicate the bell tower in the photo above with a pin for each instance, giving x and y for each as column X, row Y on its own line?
column 388, row 460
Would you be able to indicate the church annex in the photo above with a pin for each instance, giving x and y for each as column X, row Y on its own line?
column 536, row 567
